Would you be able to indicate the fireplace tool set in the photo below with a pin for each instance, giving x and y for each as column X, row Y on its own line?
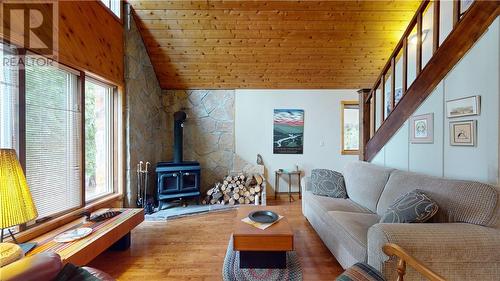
column 142, row 188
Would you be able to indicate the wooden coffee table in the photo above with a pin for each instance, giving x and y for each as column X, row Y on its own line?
column 262, row 248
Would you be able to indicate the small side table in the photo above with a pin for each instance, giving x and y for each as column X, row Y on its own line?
column 278, row 174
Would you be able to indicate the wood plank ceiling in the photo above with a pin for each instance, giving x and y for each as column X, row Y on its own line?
column 270, row 44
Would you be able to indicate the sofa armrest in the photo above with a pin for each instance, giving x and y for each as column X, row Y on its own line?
column 43, row 266
column 435, row 242
column 305, row 184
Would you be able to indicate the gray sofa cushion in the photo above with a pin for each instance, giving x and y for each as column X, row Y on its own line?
column 365, row 182
column 351, row 231
column 414, row 206
column 328, row 183
column 458, row 201
column 323, row 204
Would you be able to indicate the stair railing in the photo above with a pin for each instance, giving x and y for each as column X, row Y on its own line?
column 412, row 72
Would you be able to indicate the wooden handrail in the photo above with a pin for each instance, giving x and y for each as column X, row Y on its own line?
column 465, row 33
column 406, row 259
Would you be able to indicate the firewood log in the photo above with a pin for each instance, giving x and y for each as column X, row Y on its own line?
column 213, row 201
column 233, row 181
column 226, row 197
column 223, row 187
column 229, row 178
column 226, row 182
column 238, row 182
column 252, row 190
column 258, row 179
column 247, row 193
column 242, row 177
column 257, row 188
column 241, row 192
column 217, row 195
column 231, row 201
column 247, row 201
column 251, row 197
column 241, row 200
column 236, row 196
column 210, row 191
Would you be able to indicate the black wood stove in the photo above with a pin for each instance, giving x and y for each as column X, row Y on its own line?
column 178, row 179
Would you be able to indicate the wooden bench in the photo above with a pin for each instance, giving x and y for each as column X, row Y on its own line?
column 113, row 231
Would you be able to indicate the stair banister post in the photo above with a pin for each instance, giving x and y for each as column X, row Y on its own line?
column 364, row 121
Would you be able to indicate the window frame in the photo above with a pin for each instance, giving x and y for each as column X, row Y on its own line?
column 108, row 8
column 343, row 105
column 112, row 137
column 117, row 143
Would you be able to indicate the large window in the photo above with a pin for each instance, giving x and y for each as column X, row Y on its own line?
column 54, row 123
column 53, row 135
column 350, row 127
column 98, row 140
column 9, row 88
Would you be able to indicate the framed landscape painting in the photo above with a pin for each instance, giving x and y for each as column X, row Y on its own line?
column 463, row 107
column 288, row 131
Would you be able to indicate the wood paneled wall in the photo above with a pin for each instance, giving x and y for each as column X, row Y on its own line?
column 90, row 39
column 270, row 44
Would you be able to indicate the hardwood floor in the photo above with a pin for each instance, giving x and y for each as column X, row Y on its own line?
column 193, row 248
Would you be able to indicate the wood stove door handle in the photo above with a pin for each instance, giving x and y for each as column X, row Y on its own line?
column 187, row 174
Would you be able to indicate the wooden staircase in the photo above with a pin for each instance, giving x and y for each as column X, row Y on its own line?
column 379, row 121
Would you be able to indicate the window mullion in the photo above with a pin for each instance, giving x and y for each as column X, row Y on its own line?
column 82, row 135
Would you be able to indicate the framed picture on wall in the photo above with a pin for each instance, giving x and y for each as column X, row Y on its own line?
column 463, row 133
column 288, row 131
column 463, row 107
column 422, row 128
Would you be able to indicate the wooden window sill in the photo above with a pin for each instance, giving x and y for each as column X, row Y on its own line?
column 31, row 233
column 349, row 152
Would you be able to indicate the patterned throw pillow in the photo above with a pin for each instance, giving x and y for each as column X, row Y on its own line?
column 328, row 183
column 414, row 206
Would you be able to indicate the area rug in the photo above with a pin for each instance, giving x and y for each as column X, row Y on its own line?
column 175, row 211
column 231, row 270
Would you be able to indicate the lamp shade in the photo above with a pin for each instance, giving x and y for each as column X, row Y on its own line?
column 16, row 203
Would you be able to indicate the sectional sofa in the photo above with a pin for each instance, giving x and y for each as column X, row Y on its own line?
column 461, row 242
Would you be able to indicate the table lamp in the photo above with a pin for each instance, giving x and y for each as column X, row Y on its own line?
column 16, row 203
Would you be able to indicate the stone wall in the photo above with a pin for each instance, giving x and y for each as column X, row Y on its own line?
column 145, row 116
column 208, row 130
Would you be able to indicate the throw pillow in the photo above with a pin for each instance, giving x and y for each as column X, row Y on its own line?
column 414, row 206
column 328, row 183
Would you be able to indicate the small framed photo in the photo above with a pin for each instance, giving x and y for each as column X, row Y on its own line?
column 422, row 128
column 463, row 107
column 463, row 133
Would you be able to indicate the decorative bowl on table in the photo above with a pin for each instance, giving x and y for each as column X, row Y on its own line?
column 73, row 234
column 263, row 216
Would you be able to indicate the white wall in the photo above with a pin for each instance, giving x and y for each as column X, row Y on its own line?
column 476, row 74
column 254, row 129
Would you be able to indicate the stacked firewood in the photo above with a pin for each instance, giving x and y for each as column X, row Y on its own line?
column 239, row 189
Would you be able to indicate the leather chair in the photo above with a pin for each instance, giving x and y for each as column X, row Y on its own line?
column 43, row 266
